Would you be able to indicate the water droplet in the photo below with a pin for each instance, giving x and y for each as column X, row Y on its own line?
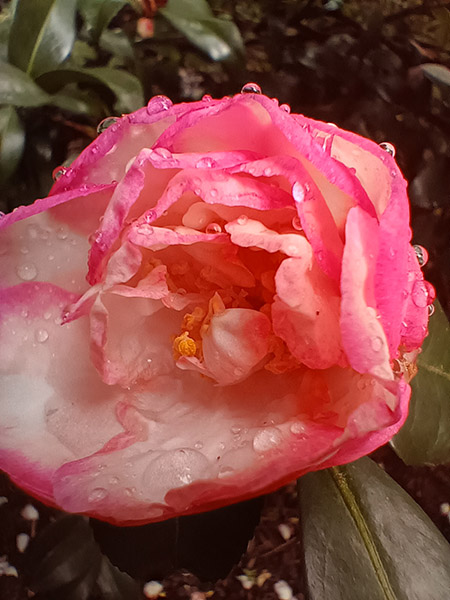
column 41, row 336
column 251, row 88
column 422, row 254
column 293, row 250
column 235, row 430
column 388, row 147
column 207, row 98
column 419, row 294
column 97, row 494
column 376, row 343
column 285, row 107
column 267, row 172
column 175, row 468
column 103, row 125
column 59, row 172
column 198, row 445
column 242, row 220
column 225, row 472
column 150, row 216
column 114, row 480
column 61, row 234
column 24, row 250
column 266, row 439
column 213, row 192
column 431, row 310
column 27, row 271
column 213, row 228
column 158, row 103
column 206, row 163
column 297, row 428
column 298, row 192
column 162, row 152
column 296, row 223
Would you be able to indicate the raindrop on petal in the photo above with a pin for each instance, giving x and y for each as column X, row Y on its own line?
column 97, row 494
column 41, row 335
column 266, row 439
column 388, row 147
column 422, row 255
column 27, row 271
column 431, row 310
column 251, row 88
column 58, row 172
column 213, row 228
column 377, row 344
column 158, row 103
column 206, row 163
column 242, row 220
column 419, row 294
column 207, row 98
column 285, row 107
column 103, row 125
column 298, row 192
column 162, row 152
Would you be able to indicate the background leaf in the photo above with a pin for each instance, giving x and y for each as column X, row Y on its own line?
column 425, row 437
column 364, row 537
column 220, row 39
column 42, row 34
column 17, row 88
column 97, row 14
column 64, row 561
column 12, row 141
column 125, row 87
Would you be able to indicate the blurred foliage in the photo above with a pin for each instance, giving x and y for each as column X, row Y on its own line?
column 379, row 68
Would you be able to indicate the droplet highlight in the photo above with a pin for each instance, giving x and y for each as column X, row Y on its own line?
column 388, row 147
column 422, row 254
column 27, row 271
column 158, row 103
column 103, row 125
column 251, row 88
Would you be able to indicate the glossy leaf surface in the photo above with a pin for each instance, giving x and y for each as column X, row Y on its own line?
column 220, row 39
column 364, row 537
column 42, row 34
column 425, row 437
column 12, row 141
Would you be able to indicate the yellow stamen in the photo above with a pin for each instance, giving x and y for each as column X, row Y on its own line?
column 183, row 345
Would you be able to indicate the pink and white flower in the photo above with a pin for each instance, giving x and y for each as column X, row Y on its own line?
column 207, row 305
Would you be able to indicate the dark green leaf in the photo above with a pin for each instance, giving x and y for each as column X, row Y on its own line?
column 117, row 43
column 17, row 88
column 365, row 538
column 71, row 103
column 81, row 53
column 12, row 140
column 42, row 34
column 126, row 88
column 6, row 17
column 113, row 584
column 64, row 561
column 425, row 437
column 220, row 39
column 97, row 14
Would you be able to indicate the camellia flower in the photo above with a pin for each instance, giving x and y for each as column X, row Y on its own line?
column 215, row 298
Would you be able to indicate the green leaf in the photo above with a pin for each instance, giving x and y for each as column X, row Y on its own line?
column 220, row 39
column 17, row 88
column 6, row 17
column 42, row 34
column 117, row 43
column 125, row 87
column 113, row 584
column 12, row 141
column 425, row 437
column 365, row 538
column 64, row 561
column 97, row 14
